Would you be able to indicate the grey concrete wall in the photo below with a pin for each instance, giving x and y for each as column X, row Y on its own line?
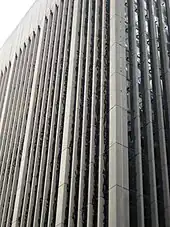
column 85, row 115
column 54, row 118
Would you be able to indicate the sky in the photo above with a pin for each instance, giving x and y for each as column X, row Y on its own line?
column 11, row 12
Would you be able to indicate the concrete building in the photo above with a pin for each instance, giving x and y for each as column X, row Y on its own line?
column 85, row 115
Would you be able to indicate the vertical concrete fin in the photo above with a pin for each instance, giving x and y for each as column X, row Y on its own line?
column 118, row 147
column 68, row 131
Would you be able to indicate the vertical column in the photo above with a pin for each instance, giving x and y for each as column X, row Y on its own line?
column 7, row 104
column 3, row 77
column 135, row 113
column 167, row 3
column 50, row 120
column 95, row 120
column 164, row 60
column 15, row 146
column 157, row 90
column 19, row 144
column 9, row 123
column 118, row 145
column 43, row 153
column 3, row 94
column 166, row 78
column 55, row 163
column 24, row 160
column 102, row 212
column 63, row 193
column 84, row 159
column 148, row 111
column 7, row 97
column 73, row 202
column 11, row 162
column 35, row 152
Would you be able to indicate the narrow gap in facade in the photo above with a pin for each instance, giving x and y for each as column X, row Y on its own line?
column 96, row 74
column 58, row 63
column 30, row 152
column 130, row 106
column 144, row 110
column 166, row 121
column 165, row 18
column 73, row 126
column 49, row 119
column 106, row 116
column 43, row 136
column 88, row 117
column 9, row 157
column 156, row 129
column 18, row 155
column 80, row 115
column 37, row 146
column 64, row 73
column 30, row 78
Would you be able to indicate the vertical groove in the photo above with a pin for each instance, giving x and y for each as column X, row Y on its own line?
column 148, row 114
column 5, row 108
column 3, row 81
column 2, row 98
column 57, row 113
column 135, row 114
column 49, row 120
column 27, row 126
column 8, row 105
column 7, row 162
column 164, row 68
column 102, row 215
column 54, row 119
column 43, row 155
column 7, row 99
column 19, row 131
column 39, row 109
column 85, row 115
column 8, row 128
column 19, row 140
column 167, row 4
column 29, row 157
column 73, row 202
column 95, row 120
column 8, row 179
column 84, row 160
column 68, row 131
column 157, row 88
column 30, row 178
column 60, row 215
column 166, row 78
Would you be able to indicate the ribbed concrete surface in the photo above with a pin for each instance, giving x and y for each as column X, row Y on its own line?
column 85, row 115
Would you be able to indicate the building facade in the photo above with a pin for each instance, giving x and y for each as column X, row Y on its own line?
column 85, row 115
